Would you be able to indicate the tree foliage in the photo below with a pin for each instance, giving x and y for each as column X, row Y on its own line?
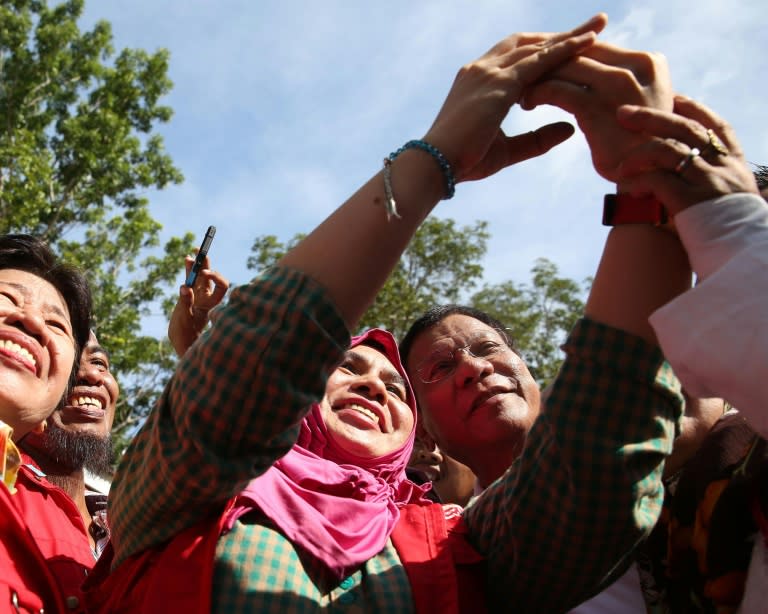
column 443, row 265
column 78, row 152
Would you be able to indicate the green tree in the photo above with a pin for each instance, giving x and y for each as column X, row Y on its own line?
column 441, row 265
column 78, row 153
column 538, row 314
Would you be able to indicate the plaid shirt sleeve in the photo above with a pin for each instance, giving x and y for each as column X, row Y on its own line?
column 231, row 409
column 564, row 519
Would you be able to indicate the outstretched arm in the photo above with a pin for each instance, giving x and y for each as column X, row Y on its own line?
column 353, row 251
column 588, row 483
column 715, row 334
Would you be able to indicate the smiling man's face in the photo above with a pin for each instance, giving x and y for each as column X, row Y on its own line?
column 78, row 433
column 483, row 404
column 90, row 405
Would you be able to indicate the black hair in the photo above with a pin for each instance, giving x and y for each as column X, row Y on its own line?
column 30, row 254
column 761, row 175
column 435, row 315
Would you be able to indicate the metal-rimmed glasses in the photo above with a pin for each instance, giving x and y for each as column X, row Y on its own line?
column 485, row 345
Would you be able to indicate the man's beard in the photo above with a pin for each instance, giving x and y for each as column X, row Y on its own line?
column 73, row 450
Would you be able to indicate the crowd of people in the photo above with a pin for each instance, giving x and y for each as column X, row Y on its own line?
column 296, row 464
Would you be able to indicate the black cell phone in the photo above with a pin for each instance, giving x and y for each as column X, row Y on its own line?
column 201, row 254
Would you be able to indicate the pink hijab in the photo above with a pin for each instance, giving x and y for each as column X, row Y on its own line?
column 338, row 507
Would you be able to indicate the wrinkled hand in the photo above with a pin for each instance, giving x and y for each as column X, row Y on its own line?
column 467, row 129
column 650, row 167
column 191, row 313
column 593, row 85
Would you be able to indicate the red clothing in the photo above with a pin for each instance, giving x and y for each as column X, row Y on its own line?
column 45, row 554
column 447, row 575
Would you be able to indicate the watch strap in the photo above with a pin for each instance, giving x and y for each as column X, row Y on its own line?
column 619, row 209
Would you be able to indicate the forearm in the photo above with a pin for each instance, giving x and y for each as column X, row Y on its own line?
column 588, row 485
column 642, row 268
column 353, row 251
column 713, row 232
column 230, row 410
column 716, row 336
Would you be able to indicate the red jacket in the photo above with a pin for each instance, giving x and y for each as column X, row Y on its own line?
column 45, row 554
column 447, row 575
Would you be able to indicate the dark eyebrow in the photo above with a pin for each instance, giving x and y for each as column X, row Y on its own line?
column 392, row 375
column 51, row 307
column 97, row 349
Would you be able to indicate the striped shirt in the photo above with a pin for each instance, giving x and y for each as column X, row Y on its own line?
column 554, row 529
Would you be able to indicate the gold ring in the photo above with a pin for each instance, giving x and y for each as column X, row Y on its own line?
column 683, row 164
column 715, row 144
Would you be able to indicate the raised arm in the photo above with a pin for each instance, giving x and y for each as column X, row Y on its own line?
column 191, row 313
column 588, row 484
column 353, row 251
column 716, row 334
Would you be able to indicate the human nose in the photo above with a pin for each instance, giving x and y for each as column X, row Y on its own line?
column 90, row 374
column 467, row 366
column 29, row 320
column 371, row 386
column 428, row 456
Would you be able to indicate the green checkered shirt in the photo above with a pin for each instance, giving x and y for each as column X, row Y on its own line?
column 556, row 528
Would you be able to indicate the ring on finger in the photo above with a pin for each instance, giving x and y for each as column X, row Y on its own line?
column 683, row 164
column 714, row 144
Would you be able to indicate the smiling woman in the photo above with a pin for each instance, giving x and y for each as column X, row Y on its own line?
column 368, row 405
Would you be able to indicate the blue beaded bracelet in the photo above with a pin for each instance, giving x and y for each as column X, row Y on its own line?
column 442, row 161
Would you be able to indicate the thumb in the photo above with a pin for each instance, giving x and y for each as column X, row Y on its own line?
column 537, row 142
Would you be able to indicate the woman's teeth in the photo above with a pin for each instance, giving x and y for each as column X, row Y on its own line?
column 365, row 411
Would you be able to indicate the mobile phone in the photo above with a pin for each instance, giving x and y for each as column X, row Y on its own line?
column 201, row 254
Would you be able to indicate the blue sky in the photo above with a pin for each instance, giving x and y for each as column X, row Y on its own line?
column 282, row 109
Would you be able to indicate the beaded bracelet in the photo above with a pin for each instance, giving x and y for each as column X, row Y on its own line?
column 445, row 166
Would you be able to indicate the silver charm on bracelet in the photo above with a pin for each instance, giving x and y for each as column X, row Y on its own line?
column 390, row 205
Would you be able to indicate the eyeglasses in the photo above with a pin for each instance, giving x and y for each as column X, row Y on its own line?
column 443, row 364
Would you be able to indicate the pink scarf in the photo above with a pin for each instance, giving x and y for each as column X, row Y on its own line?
column 338, row 507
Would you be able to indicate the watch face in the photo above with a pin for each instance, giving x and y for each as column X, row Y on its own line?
column 619, row 209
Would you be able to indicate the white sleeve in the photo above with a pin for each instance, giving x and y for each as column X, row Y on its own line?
column 715, row 336
column 714, row 231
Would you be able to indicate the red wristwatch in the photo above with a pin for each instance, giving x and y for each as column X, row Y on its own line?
column 624, row 208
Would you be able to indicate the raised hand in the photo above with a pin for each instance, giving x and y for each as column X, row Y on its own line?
column 593, row 85
column 191, row 313
column 468, row 127
column 667, row 166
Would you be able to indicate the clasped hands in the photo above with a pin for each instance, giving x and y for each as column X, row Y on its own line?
column 638, row 131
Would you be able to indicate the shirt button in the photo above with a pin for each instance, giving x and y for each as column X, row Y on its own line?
column 347, row 598
column 347, row 583
column 72, row 602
